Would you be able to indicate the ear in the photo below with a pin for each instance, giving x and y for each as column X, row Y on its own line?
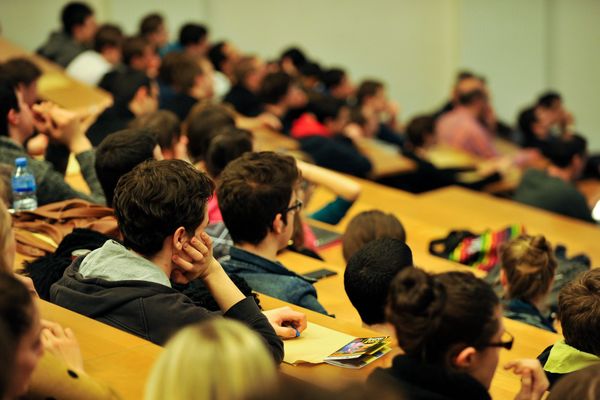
column 465, row 358
column 179, row 239
column 14, row 117
column 278, row 226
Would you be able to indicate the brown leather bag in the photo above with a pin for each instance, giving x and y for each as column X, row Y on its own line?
column 56, row 220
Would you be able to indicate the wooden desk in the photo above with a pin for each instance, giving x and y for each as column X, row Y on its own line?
column 120, row 360
column 56, row 86
column 385, row 158
column 458, row 208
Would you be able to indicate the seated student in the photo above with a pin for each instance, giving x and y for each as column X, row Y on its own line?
column 234, row 361
column 282, row 98
column 119, row 153
column 25, row 75
column 137, row 55
column 337, row 84
column 91, row 65
column 579, row 316
column 166, row 126
column 310, row 75
column 291, row 60
column 553, row 189
column 154, row 31
column 187, row 83
column 46, row 361
column 535, row 129
column 226, row 145
column 550, row 104
column 368, row 226
column 420, row 136
column 580, row 385
column 17, row 121
column 527, row 274
column 368, row 276
column 133, row 96
column 323, row 134
column 374, row 104
column 223, row 56
column 248, row 74
column 161, row 210
column 203, row 121
column 193, row 40
column 450, row 328
column 78, row 30
column 465, row 82
column 257, row 198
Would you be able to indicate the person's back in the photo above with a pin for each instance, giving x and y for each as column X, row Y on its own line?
column 527, row 273
column 553, row 189
column 78, row 29
column 579, row 315
column 258, row 200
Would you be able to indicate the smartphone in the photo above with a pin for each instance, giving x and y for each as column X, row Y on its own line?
column 319, row 274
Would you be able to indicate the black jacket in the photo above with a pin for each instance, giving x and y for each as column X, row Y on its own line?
column 418, row 381
column 337, row 153
column 244, row 101
column 149, row 310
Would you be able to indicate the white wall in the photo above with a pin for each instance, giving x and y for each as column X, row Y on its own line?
column 415, row 46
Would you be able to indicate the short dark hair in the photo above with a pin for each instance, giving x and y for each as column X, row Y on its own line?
column 133, row 47
column 471, row 97
column 192, row 34
column 108, row 35
column 243, row 67
column 226, row 145
column 526, row 120
column 426, row 311
column 296, row 55
column 333, row 77
column 74, row 14
column 583, row 384
column 216, row 55
column 253, row 189
column 419, row 128
column 123, row 85
column 366, row 89
column 547, row 99
column 151, row 23
column 118, row 154
column 180, row 71
column 562, row 152
column 311, row 69
column 274, row 87
column 156, row 198
column 579, row 312
column 369, row 273
column 202, row 126
column 21, row 70
column 325, row 107
column 368, row 226
column 163, row 124
column 8, row 101
column 16, row 310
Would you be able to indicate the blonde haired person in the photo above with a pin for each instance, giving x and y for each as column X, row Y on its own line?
column 218, row 359
column 526, row 274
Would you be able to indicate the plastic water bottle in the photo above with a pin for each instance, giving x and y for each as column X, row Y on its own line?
column 23, row 187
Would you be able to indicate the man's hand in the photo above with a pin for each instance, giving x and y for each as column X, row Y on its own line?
column 195, row 260
column 533, row 379
column 286, row 322
column 269, row 121
column 62, row 344
column 61, row 125
column 25, row 280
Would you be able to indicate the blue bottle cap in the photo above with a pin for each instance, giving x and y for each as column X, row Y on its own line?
column 21, row 162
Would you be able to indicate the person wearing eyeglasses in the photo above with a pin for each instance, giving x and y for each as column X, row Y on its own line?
column 450, row 328
column 258, row 200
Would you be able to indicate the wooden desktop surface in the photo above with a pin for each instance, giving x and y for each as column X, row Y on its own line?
column 55, row 85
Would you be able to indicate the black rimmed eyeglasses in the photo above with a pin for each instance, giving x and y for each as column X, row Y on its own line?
column 506, row 341
column 297, row 206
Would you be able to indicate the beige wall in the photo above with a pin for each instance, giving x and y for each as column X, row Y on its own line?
column 415, row 46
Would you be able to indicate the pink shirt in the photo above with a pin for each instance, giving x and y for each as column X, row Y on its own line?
column 461, row 130
column 214, row 213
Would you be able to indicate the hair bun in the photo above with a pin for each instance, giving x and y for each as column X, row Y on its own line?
column 415, row 291
column 540, row 243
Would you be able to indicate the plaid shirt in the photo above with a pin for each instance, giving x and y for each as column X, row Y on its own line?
column 51, row 186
